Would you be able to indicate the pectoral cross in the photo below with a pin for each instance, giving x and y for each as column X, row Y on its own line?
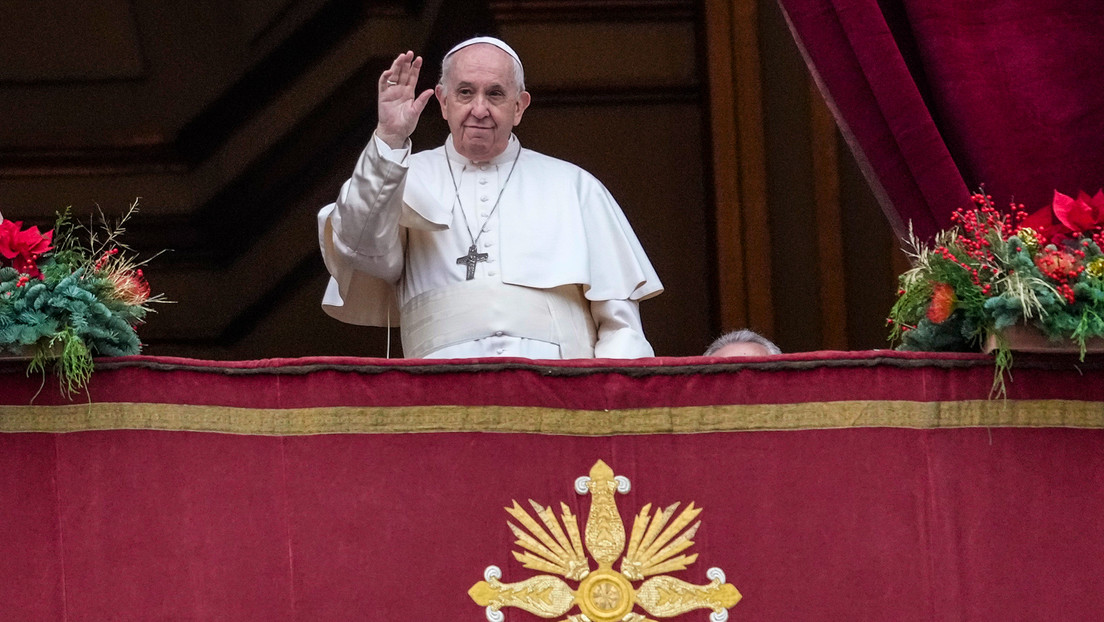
column 471, row 259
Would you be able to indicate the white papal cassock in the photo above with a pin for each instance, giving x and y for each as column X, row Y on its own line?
column 562, row 277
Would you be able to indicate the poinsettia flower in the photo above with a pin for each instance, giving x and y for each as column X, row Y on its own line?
column 1048, row 228
column 24, row 247
column 1084, row 213
column 942, row 303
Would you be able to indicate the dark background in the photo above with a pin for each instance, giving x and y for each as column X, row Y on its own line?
column 236, row 120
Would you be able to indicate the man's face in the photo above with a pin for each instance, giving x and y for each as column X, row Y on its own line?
column 480, row 101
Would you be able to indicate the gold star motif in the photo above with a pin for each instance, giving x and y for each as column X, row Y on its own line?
column 606, row 595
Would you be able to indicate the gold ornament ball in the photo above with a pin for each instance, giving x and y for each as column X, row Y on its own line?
column 1096, row 267
column 1030, row 239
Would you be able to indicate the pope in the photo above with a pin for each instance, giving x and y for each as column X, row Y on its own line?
column 480, row 247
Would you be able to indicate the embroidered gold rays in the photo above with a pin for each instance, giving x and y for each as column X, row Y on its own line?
column 656, row 546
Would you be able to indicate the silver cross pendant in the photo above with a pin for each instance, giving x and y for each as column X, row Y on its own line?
column 471, row 259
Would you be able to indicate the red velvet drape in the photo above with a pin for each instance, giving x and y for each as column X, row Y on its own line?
column 886, row 525
column 874, row 486
column 939, row 97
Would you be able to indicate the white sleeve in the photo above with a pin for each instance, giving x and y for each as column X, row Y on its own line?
column 363, row 225
column 620, row 333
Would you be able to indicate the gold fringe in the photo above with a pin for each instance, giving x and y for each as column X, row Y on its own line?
column 538, row 420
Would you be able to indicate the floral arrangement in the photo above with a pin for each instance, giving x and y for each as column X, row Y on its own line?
column 995, row 269
column 69, row 294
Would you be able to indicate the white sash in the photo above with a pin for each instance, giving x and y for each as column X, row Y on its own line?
column 481, row 308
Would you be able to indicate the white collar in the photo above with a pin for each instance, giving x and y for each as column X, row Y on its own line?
column 506, row 156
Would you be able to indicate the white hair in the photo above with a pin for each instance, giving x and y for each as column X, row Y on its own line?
column 742, row 336
column 446, row 64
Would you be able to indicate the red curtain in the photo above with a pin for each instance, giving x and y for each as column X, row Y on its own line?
column 939, row 97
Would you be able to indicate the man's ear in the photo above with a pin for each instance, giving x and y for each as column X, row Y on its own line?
column 439, row 91
column 519, row 108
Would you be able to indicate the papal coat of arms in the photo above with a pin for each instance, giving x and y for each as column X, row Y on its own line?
column 656, row 546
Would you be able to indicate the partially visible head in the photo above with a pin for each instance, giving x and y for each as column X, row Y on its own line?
column 742, row 343
column 482, row 96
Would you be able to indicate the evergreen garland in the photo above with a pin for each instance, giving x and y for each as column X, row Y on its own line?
column 74, row 301
column 995, row 270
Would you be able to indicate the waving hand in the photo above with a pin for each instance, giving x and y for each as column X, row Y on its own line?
column 399, row 109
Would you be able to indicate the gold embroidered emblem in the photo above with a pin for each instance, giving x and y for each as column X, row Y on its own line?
column 655, row 547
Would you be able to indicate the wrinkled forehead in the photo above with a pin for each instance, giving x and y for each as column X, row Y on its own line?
column 481, row 62
column 493, row 41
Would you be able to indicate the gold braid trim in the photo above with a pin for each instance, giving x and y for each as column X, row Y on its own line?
column 539, row 420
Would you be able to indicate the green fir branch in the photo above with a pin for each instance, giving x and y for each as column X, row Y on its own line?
column 77, row 309
column 996, row 284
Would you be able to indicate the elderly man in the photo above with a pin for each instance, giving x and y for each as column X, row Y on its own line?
column 742, row 343
column 481, row 247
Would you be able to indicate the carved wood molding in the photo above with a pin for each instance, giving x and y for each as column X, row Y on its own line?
column 209, row 130
column 590, row 11
column 739, row 166
column 96, row 160
column 826, row 190
column 617, row 96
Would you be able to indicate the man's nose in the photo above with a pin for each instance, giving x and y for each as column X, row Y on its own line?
column 479, row 107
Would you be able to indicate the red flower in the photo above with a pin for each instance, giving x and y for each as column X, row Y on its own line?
column 942, row 303
column 130, row 286
column 1044, row 224
column 23, row 248
column 1084, row 213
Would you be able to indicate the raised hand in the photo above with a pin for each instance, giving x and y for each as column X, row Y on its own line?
column 399, row 109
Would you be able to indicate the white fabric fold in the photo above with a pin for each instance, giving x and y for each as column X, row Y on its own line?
column 472, row 310
column 396, row 231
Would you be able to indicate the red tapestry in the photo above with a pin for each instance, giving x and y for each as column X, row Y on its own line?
column 834, row 486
